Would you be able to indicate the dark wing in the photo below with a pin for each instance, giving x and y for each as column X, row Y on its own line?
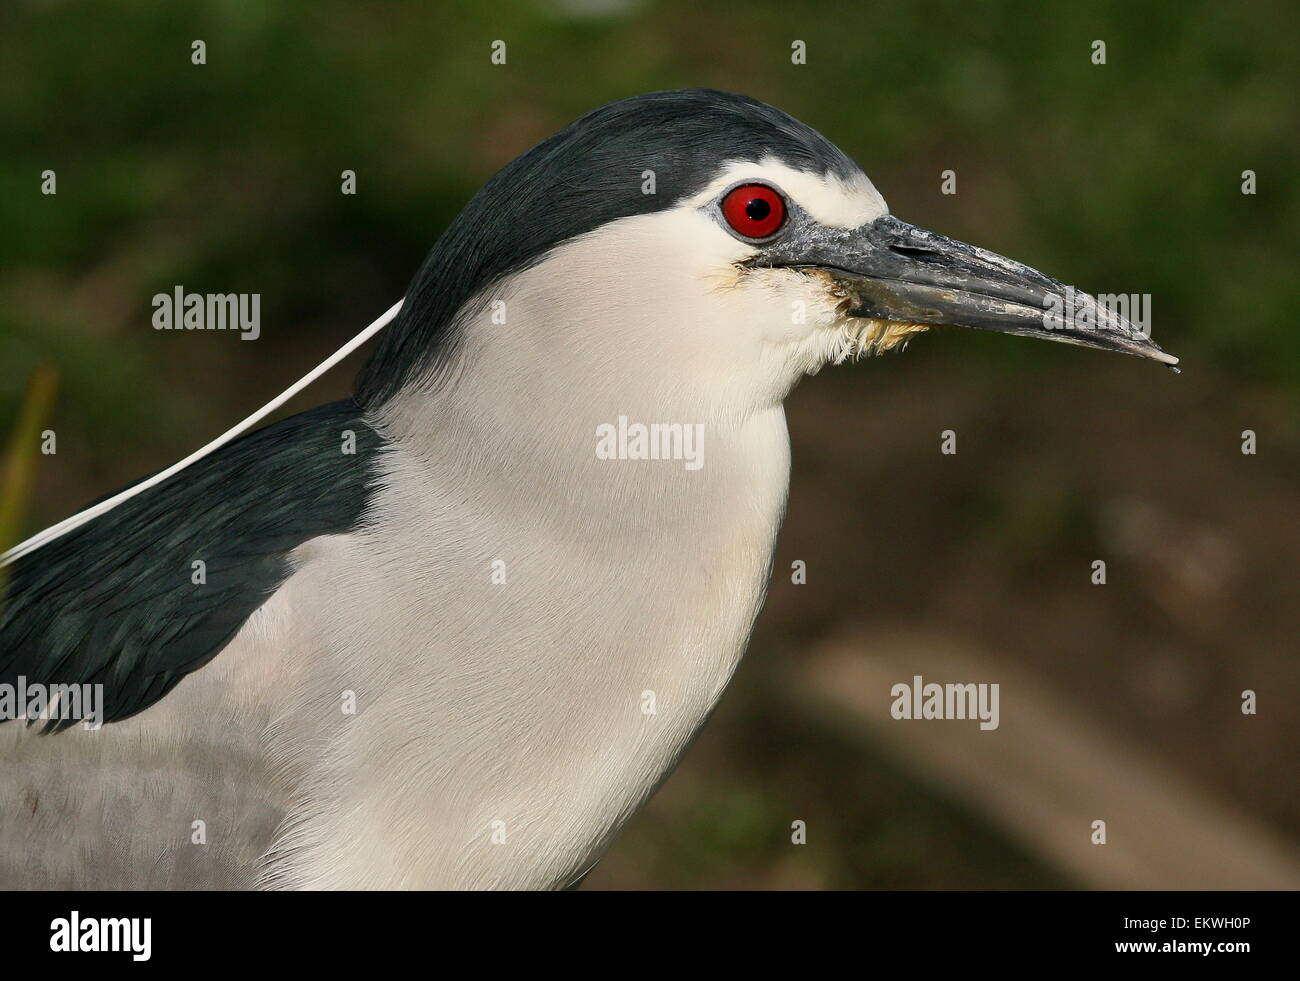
column 114, row 602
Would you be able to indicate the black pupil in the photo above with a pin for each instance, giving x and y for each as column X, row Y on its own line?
column 757, row 209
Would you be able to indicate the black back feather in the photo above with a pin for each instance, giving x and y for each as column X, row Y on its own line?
column 113, row 602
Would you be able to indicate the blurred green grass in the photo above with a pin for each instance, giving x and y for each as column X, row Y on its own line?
column 1125, row 177
column 18, row 464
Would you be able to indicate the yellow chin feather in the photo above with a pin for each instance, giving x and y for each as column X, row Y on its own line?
column 861, row 337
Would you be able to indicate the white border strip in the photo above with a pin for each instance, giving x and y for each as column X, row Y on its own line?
column 81, row 517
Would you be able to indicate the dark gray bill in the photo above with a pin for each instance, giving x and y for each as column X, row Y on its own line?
column 890, row 270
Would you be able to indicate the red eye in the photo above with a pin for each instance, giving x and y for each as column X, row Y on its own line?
column 754, row 210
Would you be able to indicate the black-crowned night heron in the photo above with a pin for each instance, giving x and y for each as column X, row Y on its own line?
column 454, row 631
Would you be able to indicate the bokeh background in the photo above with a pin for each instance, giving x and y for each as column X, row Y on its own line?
column 1120, row 702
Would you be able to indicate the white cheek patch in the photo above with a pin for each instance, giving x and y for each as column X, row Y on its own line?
column 831, row 200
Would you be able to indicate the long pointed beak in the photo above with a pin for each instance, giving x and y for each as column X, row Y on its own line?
column 890, row 270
